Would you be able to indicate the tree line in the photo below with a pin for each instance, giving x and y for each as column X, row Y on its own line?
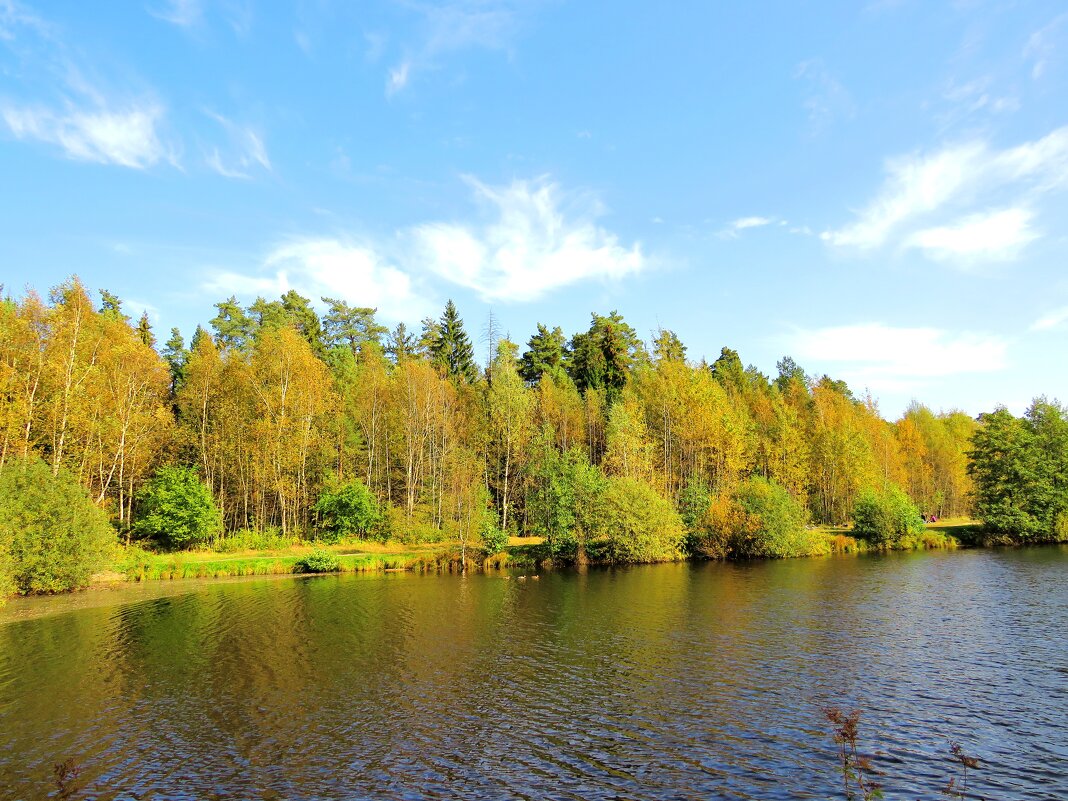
column 570, row 438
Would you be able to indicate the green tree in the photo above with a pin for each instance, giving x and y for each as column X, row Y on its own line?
column 400, row 344
column 233, row 328
column 667, row 347
column 347, row 510
column 544, row 354
column 111, row 306
column 886, row 518
column 144, row 330
column 52, row 536
column 789, row 372
column 774, row 522
column 636, row 524
column 603, row 357
column 451, row 346
column 176, row 509
column 176, row 356
column 1020, row 470
column 352, row 326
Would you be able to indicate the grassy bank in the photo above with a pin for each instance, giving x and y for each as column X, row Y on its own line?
column 137, row 564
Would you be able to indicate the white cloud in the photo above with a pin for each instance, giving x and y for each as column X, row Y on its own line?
column 999, row 236
column 1052, row 321
column 735, row 227
column 531, row 238
column 897, row 359
column 533, row 246
column 921, row 190
column 750, row 222
column 126, row 137
column 246, row 150
column 183, row 13
column 332, row 268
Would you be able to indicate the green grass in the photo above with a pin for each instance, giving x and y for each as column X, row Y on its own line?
column 137, row 564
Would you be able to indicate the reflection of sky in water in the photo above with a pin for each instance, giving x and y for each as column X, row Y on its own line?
column 666, row 681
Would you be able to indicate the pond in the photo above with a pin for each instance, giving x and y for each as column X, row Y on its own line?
column 677, row 681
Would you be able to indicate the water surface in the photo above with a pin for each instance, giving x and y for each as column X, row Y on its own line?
column 670, row 681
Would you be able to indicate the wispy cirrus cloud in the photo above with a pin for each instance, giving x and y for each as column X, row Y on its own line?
column 940, row 202
column 1044, row 44
column 1054, row 320
column 183, row 13
column 453, row 26
column 244, row 152
column 79, row 115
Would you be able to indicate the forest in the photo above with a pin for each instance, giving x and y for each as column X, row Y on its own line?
column 611, row 448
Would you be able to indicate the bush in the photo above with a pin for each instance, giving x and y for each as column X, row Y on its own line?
column 348, row 510
column 176, row 509
column 887, row 519
column 52, row 536
column 494, row 539
column 759, row 519
column 637, row 524
column 318, row 561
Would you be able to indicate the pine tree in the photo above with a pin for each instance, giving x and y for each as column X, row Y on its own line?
column 545, row 354
column 233, row 328
column 353, row 326
column 176, row 356
column 400, row 344
column 451, row 349
column 144, row 330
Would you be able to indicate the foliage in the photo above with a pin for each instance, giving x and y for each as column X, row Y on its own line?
column 176, row 509
column 318, row 561
column 887, row 518
column 1020, row 469
column 545, row 354
column 52, row 536
column 758, row 519
column 494, row 539
column 634, row 523
column 347, row 510
column 450, row 346
column 280, row 400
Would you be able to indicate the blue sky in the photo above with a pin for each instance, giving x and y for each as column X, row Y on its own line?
column 877, row 189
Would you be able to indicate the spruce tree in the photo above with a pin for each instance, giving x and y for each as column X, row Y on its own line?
column 144, row 330
column 451, row 349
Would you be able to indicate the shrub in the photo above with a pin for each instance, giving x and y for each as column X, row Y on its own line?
column 318, row 561
column 775, row 523
column 346, row 510
column 494, row 539
column 52, row 536
column 758, row 519
column 887, row 519
column 637, row 524
column 176, row 509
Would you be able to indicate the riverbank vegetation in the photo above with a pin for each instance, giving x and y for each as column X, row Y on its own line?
column 278, row 426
